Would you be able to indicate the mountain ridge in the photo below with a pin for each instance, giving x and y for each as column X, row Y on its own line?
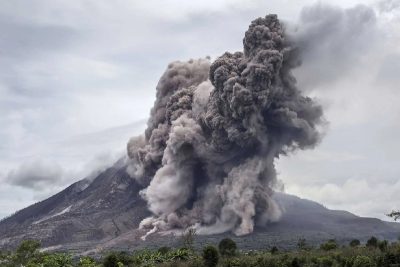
column 104, row 213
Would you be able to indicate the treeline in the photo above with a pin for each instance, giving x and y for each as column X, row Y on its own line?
column 375, row 253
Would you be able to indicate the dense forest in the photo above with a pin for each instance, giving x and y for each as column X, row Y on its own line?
column 374, row 253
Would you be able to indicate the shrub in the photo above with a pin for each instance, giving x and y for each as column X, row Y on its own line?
column 124, row 258
column 274, row 250
column 188, row 238
column 330, row 245
column 363, row 261
column 389, row 259
column 325, row 262
column 111, row 260
column 372, row 242
column 86, row 262
column 164, row 250
column 196, row 262
column 210, row 256
column 302, row 244
column 227, row 247
column 382, row 245
column 355, row 243
column 27, row 251
column 57, row 260
column 182, row 254
column 295, row 262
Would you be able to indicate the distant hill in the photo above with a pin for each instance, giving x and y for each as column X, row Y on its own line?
column 104, row 213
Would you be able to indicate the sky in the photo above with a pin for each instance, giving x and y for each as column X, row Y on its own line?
column 78, row 78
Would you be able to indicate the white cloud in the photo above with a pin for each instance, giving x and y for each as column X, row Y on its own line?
column 36, row 175
column 357, row 195
column 13, row 199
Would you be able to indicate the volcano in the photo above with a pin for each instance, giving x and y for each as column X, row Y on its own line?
column 206, row 161
column 91, row 216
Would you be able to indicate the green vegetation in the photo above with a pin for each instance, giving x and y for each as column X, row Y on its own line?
column 227, row 247
column 330, row 245
column 188, row 238
column 274, row 250
column 375, row 253
column 355, row 243
column 210, row 256
column 372, row 242
column 363, row 261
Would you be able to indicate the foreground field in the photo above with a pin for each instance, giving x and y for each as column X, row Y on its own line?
column 374, row 253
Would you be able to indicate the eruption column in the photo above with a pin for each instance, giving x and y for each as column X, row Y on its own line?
column 206, row 159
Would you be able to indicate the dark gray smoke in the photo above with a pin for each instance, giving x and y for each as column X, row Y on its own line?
column 324, row 29
column 207, row 157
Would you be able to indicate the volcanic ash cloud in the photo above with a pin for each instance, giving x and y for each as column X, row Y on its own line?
column 206, row 159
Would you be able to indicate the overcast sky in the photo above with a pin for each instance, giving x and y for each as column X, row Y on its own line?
column 78, row 78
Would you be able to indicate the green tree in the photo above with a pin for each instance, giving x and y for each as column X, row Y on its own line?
column 302, row 244
column 111, row 260
column 210, row 256
column 295, row 262
column 188, row 238
column 274, row 250
column 363, row 261
column 57, row 260
column 372, row 242
column 383, row 245
column 27, row 251
column 330, row 245
column 124, row 258
column 390, row 259
column 325, row 262
column 355, row 243
column 227, row 247
column 86, row 262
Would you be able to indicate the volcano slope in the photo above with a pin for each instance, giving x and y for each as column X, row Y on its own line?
column 104, row 214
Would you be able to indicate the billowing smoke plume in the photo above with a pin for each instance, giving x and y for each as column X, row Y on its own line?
column 207, row 156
